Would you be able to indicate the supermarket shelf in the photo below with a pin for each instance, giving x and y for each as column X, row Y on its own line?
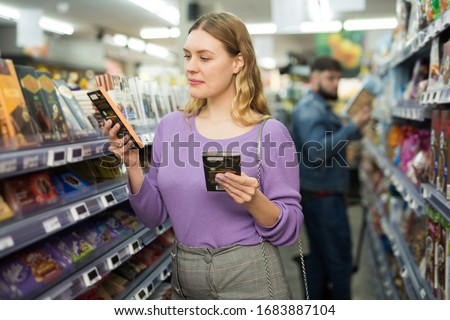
column 143, row 286
column 436, row 96
column 16, row 234
column 102, row 263
column 410, row 193
column 96, row 266
column 18, row 162
column 436, row 199
column 416, row 285
column 418, row 43
column 411, row 112
column 389, row 291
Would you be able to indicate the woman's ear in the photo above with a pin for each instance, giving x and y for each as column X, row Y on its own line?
column 238, row 63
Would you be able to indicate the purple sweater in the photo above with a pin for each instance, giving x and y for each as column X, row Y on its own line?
column 175, row 186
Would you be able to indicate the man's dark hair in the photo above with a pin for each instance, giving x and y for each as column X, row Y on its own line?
column 326, row 63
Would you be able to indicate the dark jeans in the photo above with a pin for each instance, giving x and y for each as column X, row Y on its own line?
column 329, row 264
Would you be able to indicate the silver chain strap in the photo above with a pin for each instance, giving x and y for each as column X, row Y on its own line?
column 261, row 240
column 302, row 264
column 266, row 265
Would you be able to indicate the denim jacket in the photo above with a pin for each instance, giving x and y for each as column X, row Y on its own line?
column 321, row 141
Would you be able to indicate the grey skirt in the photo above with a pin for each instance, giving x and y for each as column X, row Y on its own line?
column 235, row 272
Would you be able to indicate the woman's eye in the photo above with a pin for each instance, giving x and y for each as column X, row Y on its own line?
column 204, row 58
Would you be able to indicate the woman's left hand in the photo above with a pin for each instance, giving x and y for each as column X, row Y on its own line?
column 241, row 188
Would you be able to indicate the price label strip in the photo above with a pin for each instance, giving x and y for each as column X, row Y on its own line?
column 113, row 261
column 134, row 247
column 141, row 295
column 79, row 211
column 150, row 288
column 30, row 162
column 90, row 277
column 6, row 242
column 74, row 154
column 87, row 150
column 51, row 224
column 56, row 157
column 164, row 274
column 108, row 200
column 8, row 166
column 160, row 229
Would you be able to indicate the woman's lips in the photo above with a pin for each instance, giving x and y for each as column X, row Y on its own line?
column 194, row 82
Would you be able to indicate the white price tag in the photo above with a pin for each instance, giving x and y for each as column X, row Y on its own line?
column 425, row 193
column 408, row 198
column 87, row 151
column 51, row 224
column 56, row 157
column 160, row 229
column 79, row 211
column 6, row 242
column 8, row 166
column 403, row 272
column 150, row 288
column 30, row 162
column 113, row 261
column 91, row 277
column 99, row 149
column 164, row 274
column 134, row 247
column 74, row 154
column 141, row 295
column 108, row 200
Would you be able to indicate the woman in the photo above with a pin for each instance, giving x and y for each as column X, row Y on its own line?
column 224, row 240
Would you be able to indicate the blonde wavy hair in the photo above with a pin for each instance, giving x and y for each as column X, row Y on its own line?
column 249, row 106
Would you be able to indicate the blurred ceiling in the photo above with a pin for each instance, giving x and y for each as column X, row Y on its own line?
column 93, row 18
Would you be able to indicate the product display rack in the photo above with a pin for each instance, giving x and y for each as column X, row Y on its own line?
column 18, row 233
column 103, row 262
column 386, row 286
column 397, row 108
column 24, row 161
column 436, row 199
column 144, row 285
column 402, row 183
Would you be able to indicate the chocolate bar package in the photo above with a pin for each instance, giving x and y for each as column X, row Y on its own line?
column 215, row 162
column 29, row 271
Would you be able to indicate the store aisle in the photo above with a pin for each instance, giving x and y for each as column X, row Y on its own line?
column 363, row 280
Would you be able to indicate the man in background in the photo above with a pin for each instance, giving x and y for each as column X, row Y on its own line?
column 321, row 141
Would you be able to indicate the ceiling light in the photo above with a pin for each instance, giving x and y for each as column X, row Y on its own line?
column 261, row 28
column 320, row 27
column 159, row 33
column 9, row 13
column 120, row 40
column 55, row 26
column 160, row 8
column 136, row 44
column 157, row 51
column 370, row 24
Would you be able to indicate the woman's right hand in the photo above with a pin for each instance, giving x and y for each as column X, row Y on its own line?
column 122, row 148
